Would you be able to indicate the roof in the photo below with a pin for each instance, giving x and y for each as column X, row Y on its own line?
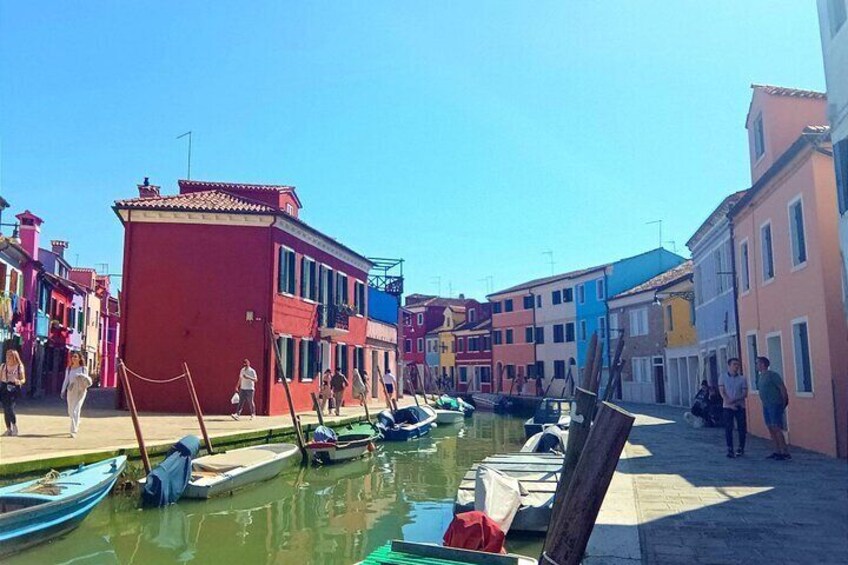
column 545, row 280
column 786, row 91
column 239, row 186
column 203, row 201
column 663, row 280
column 438, row 301
column 719, row 213
column 478, row 325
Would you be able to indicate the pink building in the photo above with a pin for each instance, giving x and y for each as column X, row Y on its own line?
column 789, row 267
column 513, row 350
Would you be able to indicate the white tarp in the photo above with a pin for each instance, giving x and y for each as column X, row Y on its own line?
column 498, row 496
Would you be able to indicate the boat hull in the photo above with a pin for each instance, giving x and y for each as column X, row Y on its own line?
column 343, row 450
column 407, row 423
column 235, row 479
column 449, row 417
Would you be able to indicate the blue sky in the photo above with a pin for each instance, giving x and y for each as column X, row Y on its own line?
column 465, row 137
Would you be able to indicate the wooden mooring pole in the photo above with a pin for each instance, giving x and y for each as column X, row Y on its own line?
column 134, row 415
column 317, row 406
column 568, row 535
column 196, row 404
column 589, row 367
column 298, row 431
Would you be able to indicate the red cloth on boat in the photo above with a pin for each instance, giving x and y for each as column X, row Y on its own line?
column 476, row 531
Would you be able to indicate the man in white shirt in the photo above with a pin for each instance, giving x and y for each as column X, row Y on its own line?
column 245, row 388
column 390, row 382
column 734, row 390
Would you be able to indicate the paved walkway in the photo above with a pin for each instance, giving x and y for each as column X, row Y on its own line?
column 697, row 506
column 44, row 431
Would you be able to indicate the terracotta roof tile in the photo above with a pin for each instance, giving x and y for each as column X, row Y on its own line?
column 204, row 201
column 215, row 185
column 667, row 278
column 785, row 91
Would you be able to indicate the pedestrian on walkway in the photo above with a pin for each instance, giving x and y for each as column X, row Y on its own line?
column 775, row 399
column 12, row 377
column 360, row 386
column 734, row 390
column 390, row 382
column 75, row 388
column 324, row 392
column 339, row 384
column 246, row 388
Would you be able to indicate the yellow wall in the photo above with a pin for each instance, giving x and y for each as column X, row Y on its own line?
column 446, row 345
column 683, row 333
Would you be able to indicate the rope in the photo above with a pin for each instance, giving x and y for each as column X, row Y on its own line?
column 153, row 381
column 548, row 559
column 45, row 485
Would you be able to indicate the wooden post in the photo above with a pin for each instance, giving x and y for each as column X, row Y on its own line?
column 134, row 415
column 597, row 368
column 365, row 405
column 578, row 431
column 317, row 406
column 298, row 431
column 194, row 402
column 569, row 534
column 589, row 367
column 615, row 368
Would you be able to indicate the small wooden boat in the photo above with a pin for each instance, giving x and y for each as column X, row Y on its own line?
column 550, row 412
column 37, row 511
column 407, row 423
column 489, row 402
column 552, row 440
column 398, row 551
column 449, row 416
column 345, row 444
column 538, row 473
column 222, row 473
column 445, row 402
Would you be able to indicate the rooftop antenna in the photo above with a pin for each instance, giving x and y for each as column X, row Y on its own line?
column 673, row 245
column 659, row 222
column 105, row 267
column 450, row 289
column 188, row 133
column 489, row 280
column 550, row 255
column 438, row 281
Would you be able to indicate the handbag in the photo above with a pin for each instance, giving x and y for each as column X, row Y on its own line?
column 235, row 398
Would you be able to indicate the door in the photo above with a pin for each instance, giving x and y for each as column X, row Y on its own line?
column 659, row 380
column 375, row 365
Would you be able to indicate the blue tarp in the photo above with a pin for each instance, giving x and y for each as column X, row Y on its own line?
column 165, row 484
column 324, row 434
column 382, row 306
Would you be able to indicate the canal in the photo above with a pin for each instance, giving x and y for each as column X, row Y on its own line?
column 317, row 515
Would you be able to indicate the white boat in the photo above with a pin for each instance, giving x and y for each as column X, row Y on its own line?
column 449, row 417
column 329, row 446
column 221, row 473
column 552, row 440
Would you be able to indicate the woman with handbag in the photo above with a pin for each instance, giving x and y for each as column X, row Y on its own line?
column 12, row 377
column 75, row 388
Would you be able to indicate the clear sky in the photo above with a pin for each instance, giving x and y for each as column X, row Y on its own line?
column 465, row 137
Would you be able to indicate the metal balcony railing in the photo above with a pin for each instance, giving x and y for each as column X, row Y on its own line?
column 332, row 316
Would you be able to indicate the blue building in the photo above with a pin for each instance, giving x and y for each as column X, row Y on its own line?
column 593, row 288
column 715, row 299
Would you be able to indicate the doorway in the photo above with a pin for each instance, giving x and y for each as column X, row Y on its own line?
column 375, row 365
column 659, row 380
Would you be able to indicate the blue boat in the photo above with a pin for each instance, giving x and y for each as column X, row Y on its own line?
column 42, row 509
column 407, row 423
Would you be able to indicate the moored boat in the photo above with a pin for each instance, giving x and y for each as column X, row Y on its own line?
column 489, row 402
column 398, row 551
column 39, row 510
column 407, row 423
column 221, row 473
column 350, row 442
column 446, row 402
column 552, row 440
column 550, row 412
column 449, row 416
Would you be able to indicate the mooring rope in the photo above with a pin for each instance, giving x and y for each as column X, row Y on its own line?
column 153, row 381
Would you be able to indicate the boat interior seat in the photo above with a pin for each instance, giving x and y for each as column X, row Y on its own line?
column 231, row 460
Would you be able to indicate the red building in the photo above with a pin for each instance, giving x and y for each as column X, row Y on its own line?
column 474, row 349
column 422, row 313
column 209, row 270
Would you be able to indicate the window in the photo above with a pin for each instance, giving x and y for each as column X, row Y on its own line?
column 496, row 307
column 420, row 345
column 487, row 343
column 803, row 367
column 540, row 335
column 568, row 295
column 407, row 346
column 559, row 369
column 641, row 367
column 602, row 327
column 463, row 375
column 528, row 302
column 508, row 305
column 485, row 375
column 539, row 301
column 308, row 282
column 796, row 232
column 767, row 252
column 510, row 371
column 453, row 347
column 286, row 275
column 835, row 15
column 581, row 294
column 497, row 337
column 285, row 347
column 531, row 371
column 569, row 332
column 472, row 315
column 614, row 327
column 359, row 297
column 508, row 336
column 774, row 350
column 583, row 331
column 342, row 289
column 743, row 267
column 669, row 318
column 556, row 297
column 718, row 265
column 420, row 319
column 639, row 322
column 460, row 344
column 599, row 289
column 840, row 162
column 528, row 334
column 341, row 358
column 558, row 333
column 540, row 369
column 753, row 352
column 759, row 138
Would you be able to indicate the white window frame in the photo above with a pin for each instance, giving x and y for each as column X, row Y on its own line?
column 759, row 134
column 752, row 361
column 600, row 290
column 581, row 293
column 669, row 310
column 763, row 278
column 613, row 325
column 583, row 330
column 803, row 393
column 779, row 336
column 638, row 315
column 745, row 268
column 602, row 327
column 420, row 319
column 799, row 199
column 419, row 345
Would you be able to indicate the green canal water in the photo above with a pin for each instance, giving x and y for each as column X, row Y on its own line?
column 322, row 515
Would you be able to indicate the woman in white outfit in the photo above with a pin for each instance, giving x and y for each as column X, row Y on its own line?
column 75, row 388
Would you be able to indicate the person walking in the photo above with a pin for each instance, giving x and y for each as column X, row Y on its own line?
column 338, row 383
column 75, row 388
column 246, row 388
column 360, row 386
column 390, row 383
column 734, row 390
column 325, row 393
column 775, row 399
column 12, row 377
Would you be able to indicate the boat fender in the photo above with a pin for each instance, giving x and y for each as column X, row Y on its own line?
column 371, row 447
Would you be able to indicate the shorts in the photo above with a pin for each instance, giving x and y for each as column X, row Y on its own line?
column 390, row 388
column 775, row 415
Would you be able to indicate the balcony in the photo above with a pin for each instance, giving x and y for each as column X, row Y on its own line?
column 332, row 320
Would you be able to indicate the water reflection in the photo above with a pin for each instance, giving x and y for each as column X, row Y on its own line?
column 324, row 515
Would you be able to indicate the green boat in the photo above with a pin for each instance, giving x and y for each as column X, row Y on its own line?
column 343, row 443
column 399, row 552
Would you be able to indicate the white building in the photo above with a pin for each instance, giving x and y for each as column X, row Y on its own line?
column 556, row 333
column 834, row 35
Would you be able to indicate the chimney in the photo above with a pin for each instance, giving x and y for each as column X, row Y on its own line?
column 30, row 232
column 147, row 190
column 59, row 247
column 461, row 296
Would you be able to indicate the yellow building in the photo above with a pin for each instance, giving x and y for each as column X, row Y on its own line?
column 454, row 316
column 683, row 367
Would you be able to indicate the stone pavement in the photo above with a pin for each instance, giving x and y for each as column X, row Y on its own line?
column 697, row 506
column 44, row 439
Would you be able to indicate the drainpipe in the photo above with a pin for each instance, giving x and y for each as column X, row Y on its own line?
column 735, row 288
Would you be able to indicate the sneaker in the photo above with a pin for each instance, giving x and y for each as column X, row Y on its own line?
column 252, row 416
column 234, row 416
column 73, row 435
column 14, row 429
column 8, row 432
column 740, row 452
column 731, row 455
column 774, row 456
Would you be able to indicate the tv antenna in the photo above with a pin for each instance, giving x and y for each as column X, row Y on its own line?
column 188, row 133
column 659, row 223
column 550, row 255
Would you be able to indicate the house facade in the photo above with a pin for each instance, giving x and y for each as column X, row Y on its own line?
column 834, row 37
column 715, row 290
column 222, row 272
column 682, row 359
column 13, row 304
column 86, row 279
column 513, row 322
column 421, row 315
column 790, row 289
column 474, row 353
column 382, row 336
